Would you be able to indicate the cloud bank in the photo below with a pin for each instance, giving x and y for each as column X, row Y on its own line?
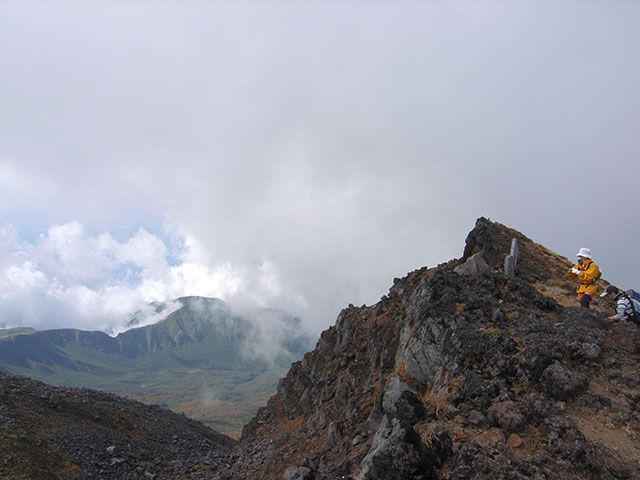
column 71, row 278
column 302, row 155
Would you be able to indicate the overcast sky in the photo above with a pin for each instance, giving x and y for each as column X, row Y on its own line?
column 302, row 154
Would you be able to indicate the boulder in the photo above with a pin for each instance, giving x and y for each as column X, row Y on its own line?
column 476, row 264
column 562, row 383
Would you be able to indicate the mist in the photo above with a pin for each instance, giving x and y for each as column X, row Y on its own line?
column 301, row 156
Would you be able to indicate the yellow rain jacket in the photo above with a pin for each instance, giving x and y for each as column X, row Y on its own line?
column 587, row 277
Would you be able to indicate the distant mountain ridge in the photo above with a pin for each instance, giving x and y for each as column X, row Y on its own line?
column 198, row 360
column 10, row 332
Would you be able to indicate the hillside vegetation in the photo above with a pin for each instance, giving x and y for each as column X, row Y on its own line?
column 202, row 360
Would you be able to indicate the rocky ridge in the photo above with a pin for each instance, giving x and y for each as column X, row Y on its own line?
column 459, row 376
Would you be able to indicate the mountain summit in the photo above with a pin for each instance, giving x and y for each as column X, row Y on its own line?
column 459, row 372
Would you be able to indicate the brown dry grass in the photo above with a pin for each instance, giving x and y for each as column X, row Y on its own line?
column 441, row 400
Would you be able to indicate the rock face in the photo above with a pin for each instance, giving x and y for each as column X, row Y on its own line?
column 456, row 374
column 459, row 372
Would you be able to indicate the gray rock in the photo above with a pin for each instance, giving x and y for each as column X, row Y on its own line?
column 562, row 383
column 298, row 473
column 476, row 264
column 535, row 406
column 401, row 401
column 507, row 415
column 422, row 355
column 333, row 434
column 393, row 455
column 477, row 418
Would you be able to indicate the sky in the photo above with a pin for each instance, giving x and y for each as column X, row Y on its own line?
column 301, row 155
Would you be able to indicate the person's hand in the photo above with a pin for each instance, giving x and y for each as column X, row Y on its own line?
column 575, row 271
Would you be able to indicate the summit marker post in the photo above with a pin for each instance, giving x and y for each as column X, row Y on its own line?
column 511, row 260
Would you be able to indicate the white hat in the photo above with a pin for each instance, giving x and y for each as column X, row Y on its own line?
column 584, row 252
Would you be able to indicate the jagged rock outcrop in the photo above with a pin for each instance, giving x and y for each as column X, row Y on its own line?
column 458, row 374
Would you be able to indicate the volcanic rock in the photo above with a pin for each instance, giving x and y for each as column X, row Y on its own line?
column 453, row 371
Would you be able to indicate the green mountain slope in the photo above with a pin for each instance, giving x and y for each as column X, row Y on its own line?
column 10, row 332
column 203, row 360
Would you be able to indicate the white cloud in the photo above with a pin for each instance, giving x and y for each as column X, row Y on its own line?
column 143, row 250
column 306, row 155
column 202, row 281
column 17, row 278
column 70, row 278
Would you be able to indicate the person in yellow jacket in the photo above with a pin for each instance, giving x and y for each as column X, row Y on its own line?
column 587, row 273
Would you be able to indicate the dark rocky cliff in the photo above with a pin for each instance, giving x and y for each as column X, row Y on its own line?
column 455, row 376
